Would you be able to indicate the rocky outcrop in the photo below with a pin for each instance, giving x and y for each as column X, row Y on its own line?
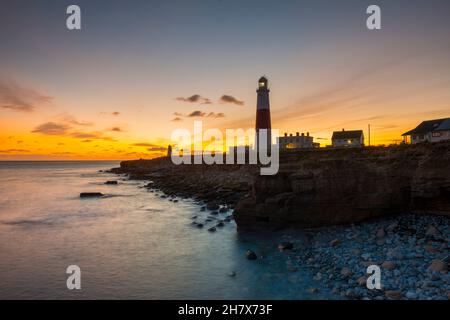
column 327, row 187
column 313, row 188
column 213, row 184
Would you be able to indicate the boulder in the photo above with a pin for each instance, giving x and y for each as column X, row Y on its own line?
column 438, row 266
column 393, row 295
column 334, row 243
column 91, row 195
column 212, row 206
column 112, row 182
column 285, row 246
column 223, row 210
column 212, row 229
column 346, row 272
column 389, row 265
column 251, row 255
column 380, row 233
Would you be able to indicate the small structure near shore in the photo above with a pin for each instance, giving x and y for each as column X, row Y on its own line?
column 298, row 141
column 429, row 131
column 351, row 138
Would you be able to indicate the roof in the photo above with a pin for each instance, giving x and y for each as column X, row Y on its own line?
column 351, row 134
column 429, row 126
column 445, row 125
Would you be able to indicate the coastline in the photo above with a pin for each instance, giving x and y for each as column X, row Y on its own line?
column 409, row 244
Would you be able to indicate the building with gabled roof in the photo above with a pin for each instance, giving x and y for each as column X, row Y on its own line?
column 351, row 138
column 430, row 131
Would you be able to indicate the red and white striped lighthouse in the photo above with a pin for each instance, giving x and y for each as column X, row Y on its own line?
column 263, row 111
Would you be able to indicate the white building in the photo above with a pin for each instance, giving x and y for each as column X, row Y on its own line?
column 291, row 142
column 430, row 131
column 351, row 138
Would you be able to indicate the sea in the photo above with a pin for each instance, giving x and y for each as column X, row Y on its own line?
column 129, row 244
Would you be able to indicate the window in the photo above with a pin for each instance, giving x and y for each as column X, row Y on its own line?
column 436, row 134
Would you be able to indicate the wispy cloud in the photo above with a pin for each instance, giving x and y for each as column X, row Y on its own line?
column 14, row 151
column 64, row 129
column 196, row 113
column 21, row 99
column 69, row 119
column 144, row 144
column 230, row 99
column 196, row 98
column 52, row 128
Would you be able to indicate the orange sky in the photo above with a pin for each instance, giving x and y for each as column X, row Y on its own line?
column 118, row 90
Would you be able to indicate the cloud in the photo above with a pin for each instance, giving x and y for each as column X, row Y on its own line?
column 72, row 120
column 216, row 115
column 86, row 141
column 14, row 151
column 230, row 99
column 196, row 98
column 196, row 113
column 116, row 113
column 116, row 129
column 63, row 129
column 17, row 98
column 52, row 128
column 144, row 144
column 157, row 149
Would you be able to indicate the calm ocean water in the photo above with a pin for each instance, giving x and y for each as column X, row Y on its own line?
column 131, row 245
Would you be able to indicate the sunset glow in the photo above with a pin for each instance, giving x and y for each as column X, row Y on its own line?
column 117, row 90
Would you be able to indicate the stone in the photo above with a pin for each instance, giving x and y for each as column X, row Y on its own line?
column 380, row 233
column 431, row 249
column 411, row 295
column 346, row 272
column 335, row 243
column 362, row 281
column 232, row 274
column 392, row 227
column 220, row 224
column 91, row 195
column 432, row 231
column 112, row 182
column 365, row 256
column 285, row 246
column 389, row 265
column 212, row 206
column 199, row 225
column 223, row 210
column 438, row 266
column 393, row 295
column 313, row 290
column 251, row 255
column 212, row 229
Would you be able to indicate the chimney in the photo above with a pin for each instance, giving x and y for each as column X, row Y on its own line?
column 303, row 134
column 297, row 134
column 285, row 134
column 343, row 129
column 307, row 134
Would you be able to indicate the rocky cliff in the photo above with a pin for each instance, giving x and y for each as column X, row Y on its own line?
column 314, row 188
column 326, row 187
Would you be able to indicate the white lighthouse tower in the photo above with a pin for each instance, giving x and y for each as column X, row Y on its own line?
column 263, row 112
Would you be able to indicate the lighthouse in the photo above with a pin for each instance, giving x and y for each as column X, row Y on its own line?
column 263, row 111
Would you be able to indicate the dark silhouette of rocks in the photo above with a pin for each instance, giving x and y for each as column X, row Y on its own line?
column 251, row 255
column 112, row 182
column 91, row 195
column 313, row 188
